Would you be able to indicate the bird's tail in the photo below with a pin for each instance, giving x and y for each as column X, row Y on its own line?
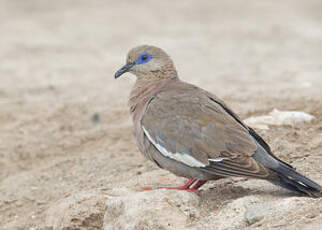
column 284, row 175
column 290, row 179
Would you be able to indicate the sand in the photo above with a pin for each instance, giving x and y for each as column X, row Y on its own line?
column 65, row 128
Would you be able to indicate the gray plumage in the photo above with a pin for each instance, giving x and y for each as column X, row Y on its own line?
column 192, row 133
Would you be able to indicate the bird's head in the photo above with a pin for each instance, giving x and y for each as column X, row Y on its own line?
column 148, row 62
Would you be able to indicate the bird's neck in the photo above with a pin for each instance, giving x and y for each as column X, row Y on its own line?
column 144, row 90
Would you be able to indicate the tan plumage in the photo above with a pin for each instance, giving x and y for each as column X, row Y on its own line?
column 193, row 134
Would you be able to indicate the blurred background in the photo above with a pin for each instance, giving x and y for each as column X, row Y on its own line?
column 64, row 121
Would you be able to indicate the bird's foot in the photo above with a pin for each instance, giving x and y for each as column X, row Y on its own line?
column 182, row 188
column 189, row 186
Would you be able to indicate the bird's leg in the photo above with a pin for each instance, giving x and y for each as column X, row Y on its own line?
column 187, row 186
column 199, row 184
column 188, row 183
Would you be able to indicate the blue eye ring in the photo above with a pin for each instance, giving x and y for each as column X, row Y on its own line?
column 143, row 58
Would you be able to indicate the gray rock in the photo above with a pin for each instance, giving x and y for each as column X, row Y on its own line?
column 255, row 213
column 156, row 209
column 84, row 210
column 231, row 216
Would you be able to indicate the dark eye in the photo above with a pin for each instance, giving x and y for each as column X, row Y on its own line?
column 144, row 57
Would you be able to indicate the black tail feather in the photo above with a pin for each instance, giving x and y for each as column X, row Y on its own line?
column 285, row 176
column 297, row 186
column 292, row 180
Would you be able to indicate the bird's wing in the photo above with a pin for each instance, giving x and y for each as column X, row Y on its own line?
column 187, row 124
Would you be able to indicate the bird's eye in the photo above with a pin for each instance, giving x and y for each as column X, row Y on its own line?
column 143, row 58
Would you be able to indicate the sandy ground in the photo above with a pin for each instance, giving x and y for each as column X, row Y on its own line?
column 64, row 121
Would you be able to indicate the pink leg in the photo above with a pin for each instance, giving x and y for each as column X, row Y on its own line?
column 188, row 184
column 199, row 184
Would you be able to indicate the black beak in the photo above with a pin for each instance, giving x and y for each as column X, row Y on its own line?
column 124, row 69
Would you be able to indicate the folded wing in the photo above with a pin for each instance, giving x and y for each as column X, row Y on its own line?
column 193, row 128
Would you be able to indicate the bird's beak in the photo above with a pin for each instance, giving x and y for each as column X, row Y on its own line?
column 124, row 69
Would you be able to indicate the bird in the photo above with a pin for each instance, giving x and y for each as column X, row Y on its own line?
column 193, row 134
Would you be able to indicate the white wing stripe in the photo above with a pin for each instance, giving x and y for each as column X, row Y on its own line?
column 219, row 159
column 181, row 157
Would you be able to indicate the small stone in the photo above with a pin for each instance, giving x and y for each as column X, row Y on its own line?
column 279, row 118
column 254, row 213
column 95, row 118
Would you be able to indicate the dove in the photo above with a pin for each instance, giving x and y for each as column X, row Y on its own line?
column 193, row 134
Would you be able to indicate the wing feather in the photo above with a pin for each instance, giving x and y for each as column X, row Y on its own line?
column 190, row 123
